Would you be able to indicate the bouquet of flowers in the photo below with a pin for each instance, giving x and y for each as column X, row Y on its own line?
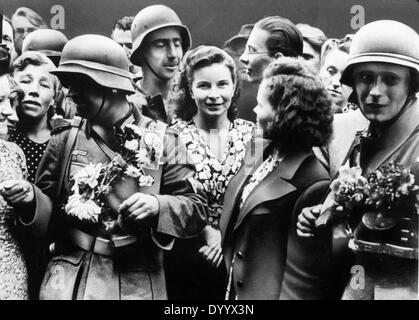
column 391, row 187
column 140, row 148
column 384, row 191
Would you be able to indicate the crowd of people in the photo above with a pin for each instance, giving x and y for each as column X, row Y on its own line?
column 132, row 168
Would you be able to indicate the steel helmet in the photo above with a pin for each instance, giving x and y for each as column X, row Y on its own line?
column 98, row 57
column 153, row 18
column 48, row 41
column 383, row 41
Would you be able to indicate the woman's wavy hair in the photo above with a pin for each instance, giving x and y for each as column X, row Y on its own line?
column 284, row 36
column 303, row 113
column 35, row 58
column 200, row 57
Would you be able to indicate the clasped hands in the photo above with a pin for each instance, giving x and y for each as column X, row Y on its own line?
column 139, row 208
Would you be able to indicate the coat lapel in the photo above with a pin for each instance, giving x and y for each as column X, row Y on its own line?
column 393, row 138
column 236, row 183
column 275, row 185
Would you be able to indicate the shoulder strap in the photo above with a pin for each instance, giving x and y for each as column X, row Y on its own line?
column 75, row 127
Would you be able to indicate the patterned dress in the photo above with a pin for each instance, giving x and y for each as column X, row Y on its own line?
column 13, row 273
column 33, row 152
column 189, row 275
column 211, row 173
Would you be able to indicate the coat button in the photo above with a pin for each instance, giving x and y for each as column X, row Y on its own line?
column 239, row 254
column 240, row 283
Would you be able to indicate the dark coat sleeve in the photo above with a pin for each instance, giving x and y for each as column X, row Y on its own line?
column 46, row 185
column 183, row 205
column 308, row 259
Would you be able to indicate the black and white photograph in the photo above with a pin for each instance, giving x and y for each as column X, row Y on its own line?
column 203, row 152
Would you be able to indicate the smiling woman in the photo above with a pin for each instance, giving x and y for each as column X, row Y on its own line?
column 216, row 140
column 32, row 72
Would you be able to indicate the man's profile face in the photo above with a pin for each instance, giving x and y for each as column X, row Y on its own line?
column 162, row 53
column 123, row 37
column 381, row 88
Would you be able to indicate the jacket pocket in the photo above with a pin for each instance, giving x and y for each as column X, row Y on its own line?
column 61, row 276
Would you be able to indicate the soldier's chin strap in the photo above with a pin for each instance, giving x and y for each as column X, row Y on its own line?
column 101, row 106
column 153, row 71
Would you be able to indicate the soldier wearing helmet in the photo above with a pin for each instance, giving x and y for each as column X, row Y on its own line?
column 109, row 248
column 383, row 71
column 159, row 42
column 47, row 41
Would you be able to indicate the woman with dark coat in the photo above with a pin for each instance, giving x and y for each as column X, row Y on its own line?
column 263, row 255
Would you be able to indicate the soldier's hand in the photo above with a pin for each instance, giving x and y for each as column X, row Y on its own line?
column 306, row 221
column 139, row 208
column 17, row 192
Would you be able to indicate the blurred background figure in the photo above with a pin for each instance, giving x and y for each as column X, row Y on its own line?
column 121, row 33
column 247, row 99
column 25, row 21
column 334, row 57
column 8, row 38
column 313, row 38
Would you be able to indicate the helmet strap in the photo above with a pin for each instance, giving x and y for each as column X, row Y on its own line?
column 153, row 71
column 101, row 106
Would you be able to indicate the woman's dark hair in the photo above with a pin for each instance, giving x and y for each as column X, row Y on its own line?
column 284, row 36
column 303, row 113
column 200, row 57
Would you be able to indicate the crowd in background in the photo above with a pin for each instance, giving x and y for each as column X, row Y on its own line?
column 138, row 166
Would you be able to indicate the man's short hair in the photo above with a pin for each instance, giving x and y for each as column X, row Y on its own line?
column 123, row 24
column 34, row 18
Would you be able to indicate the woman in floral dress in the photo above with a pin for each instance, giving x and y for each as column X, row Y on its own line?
column 13, row 273
column 216, row 139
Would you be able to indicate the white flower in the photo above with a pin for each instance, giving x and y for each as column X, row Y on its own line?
column 145, row 181
column 132, row 171
column 196, row 158
column 239, row 145
column 88, row 175
column 199, row 166
column 142, row 157
column 82, row 208
column 131, row 145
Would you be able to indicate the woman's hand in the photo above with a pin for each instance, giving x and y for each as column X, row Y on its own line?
column 212, row 250
column 17, row 192
column 139, row 208
column 306, row 221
